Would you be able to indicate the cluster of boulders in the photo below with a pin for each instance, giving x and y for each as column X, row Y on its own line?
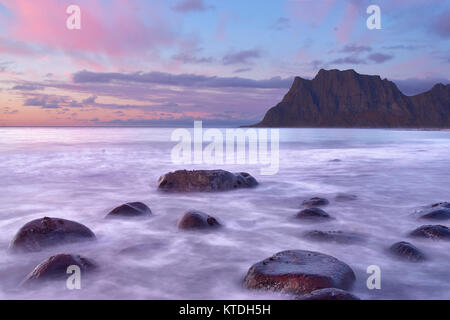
column 306, row 275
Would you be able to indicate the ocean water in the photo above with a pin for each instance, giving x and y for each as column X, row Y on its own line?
column 82, row 173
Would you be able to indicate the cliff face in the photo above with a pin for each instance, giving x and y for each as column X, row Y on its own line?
column 347, row 99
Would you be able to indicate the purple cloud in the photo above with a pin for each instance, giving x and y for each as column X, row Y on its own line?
column 442, row 25
column 380, row 57
column 191, row 5
column 241, row 57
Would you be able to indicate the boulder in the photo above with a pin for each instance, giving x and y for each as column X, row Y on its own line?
column 435, row 232
column 45, row 232
column 439, row 214
column 315, row 202
column 299, row 272
column 441, row 204
column 312, row 214
column 205, row 181
column 334, row 236
column 55, row 268
column 130, row 210
column 328, row 294
column 194, row 220
column 407, row 251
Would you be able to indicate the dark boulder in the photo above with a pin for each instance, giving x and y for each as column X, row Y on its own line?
column 205, row 181
column 334, row 236
column 132, row 210
column 299, row 272
column 46, row 232
column 440, row 214
column 312, row 214
column 55, row 268
column 315, row 202
column 435, row 232
column 328, row 294
column 441, row 204
column 194, row 220
column 407, row 251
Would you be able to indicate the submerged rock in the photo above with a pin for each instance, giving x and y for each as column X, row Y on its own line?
column 194, row 220
column 328, row 294
column 132, row 210
column 407, row 251
column 315, row 202
column 205, row 181
column 435, row 232
column 334, row 236
column 46, row 232
column 346, row 197
column 440, row 214
column 312, row 214
column 55, row 268
column 299, row 272
column 441, row 204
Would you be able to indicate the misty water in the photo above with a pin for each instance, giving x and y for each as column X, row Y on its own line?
column 82, row 173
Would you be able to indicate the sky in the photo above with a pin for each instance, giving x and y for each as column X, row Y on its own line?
column 226, row 62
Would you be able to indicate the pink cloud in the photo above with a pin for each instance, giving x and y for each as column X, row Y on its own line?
column 115, row 30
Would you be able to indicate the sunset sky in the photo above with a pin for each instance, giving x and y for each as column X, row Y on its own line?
column 149, row 62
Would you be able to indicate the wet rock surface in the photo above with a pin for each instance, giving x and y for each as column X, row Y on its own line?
column 435, row 232
column 328, row 294
column 439, row 214
column 132, row 210
column 334, row 236
column 46, row 232
column 346, row 197
column 299, row 272
column 196, row 220
column 315, row 202
column 55, row 268
column 407, row 251
column 312, row 214
column 441, row 204
column 205, row 181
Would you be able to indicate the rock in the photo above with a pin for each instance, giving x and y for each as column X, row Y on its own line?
column 55, row 268
column 435, row 232
column 440, row 214
column 441, row 204
column 334, row 236
column 192, row 219
column 45, row 232
column 328, row 294
column 316, row 201
column 312, row 214
column 346, row 197
column 132, row 210
column 407, row 251
column 205, row 181
column 299, row 272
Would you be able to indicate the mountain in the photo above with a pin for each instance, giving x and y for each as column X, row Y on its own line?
column 347, row 99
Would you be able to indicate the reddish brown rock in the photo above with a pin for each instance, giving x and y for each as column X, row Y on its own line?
column 407, row 251
column 56, row 266
column 195, row 220
column 435, row 232
column 328, row 294
column 46, row 232
column 299, row 272
column 130, row 210
column 205, row 181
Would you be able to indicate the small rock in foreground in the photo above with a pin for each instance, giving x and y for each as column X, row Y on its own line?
column 299, row 272
column 132, row 210
column 55, row 268
column 407, row 251
column 194, row 220
column 328, row 294
column 312, row 214
column 46, row 232
column 435, row 232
